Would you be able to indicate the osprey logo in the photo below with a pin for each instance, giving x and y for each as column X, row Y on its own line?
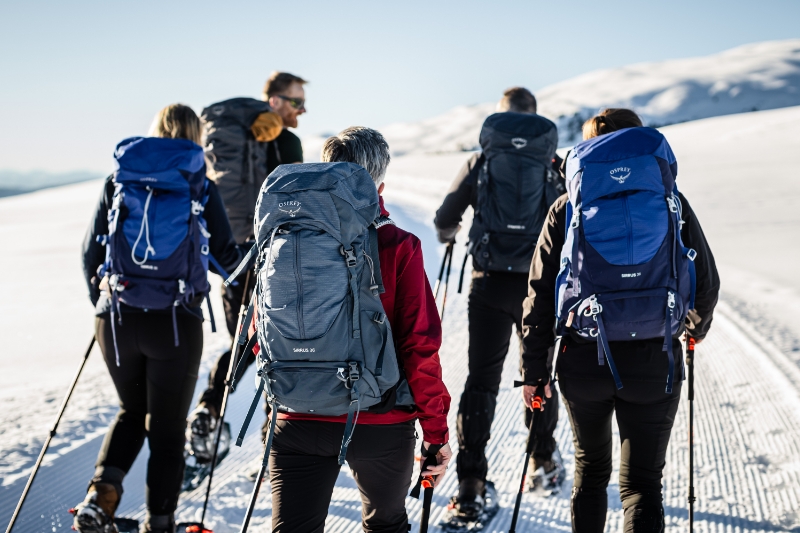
column 148, row 178
column 291, row 207
column 620, row 174
column 519, row 142
column 218, row 109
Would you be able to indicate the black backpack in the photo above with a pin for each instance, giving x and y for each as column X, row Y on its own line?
column 238, row 161
column 516, row 186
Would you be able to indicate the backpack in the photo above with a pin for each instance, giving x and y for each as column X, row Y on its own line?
column 157, row 247
column 625, row 273
column 238, row 160
column 326, row 344
column 516, row 186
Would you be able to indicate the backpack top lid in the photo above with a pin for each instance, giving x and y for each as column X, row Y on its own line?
column 631, row 159
column 526, row 134
column 242, row 111
column 338, row 198
column 158, row 162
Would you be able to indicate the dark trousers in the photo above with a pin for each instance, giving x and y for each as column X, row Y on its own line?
column 155, row 381
column 303, row 466
column 645, row 415
column 494, row 309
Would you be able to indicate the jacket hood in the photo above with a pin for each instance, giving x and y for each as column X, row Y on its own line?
column 146, row 155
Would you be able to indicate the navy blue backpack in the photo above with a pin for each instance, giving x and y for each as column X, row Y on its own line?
column 157, row 248
column 625, row 273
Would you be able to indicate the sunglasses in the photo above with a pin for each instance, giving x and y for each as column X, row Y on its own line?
column 296, row 103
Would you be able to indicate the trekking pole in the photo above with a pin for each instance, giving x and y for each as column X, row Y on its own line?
column 536, row 406
column 231, row 365
column 49, row 438
column 447, row 279
column 447, row 251
column 690, row 342
column 426, row 483
column 264, row 464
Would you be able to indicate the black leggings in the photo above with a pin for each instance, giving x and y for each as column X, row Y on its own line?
column 303, row 466
column 645, row 414
column 155, row 382
column 494, row 310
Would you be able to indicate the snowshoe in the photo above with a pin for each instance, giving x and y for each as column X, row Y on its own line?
column 546, row 477
column 197, row 467
column 191, row 527
column 462, row 517
column 95, row 514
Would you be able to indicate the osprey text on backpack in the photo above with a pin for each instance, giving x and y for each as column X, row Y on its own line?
column 516, row 187
column 157, row 247
column 625, row 273
column 326, row 344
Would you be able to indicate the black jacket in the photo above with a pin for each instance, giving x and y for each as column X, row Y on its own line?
column 539, row 315
column 221, row 244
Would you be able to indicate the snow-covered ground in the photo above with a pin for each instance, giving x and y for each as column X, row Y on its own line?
column 739, row 173
column 754, row 77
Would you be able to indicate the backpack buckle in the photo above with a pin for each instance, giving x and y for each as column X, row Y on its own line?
column 353, row 374
column 350, row 257
column 379, row 318
column 671, row 300
column 181, row 286
column 673, row 205
column 691, row 255
column 576, row 220
column 594, row 307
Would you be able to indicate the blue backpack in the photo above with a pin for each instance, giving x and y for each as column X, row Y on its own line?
column 157, row 247
column 625, row 273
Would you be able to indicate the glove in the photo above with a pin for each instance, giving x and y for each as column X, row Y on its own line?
column 267, row 126
column 448, row 235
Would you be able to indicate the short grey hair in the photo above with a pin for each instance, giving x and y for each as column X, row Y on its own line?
column 360, row 145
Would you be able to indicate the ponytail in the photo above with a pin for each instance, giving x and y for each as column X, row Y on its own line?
column 610, row 120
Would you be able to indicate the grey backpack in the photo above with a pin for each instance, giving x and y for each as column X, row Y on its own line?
column 238, row 161
column 516, row 187
column 326, row 344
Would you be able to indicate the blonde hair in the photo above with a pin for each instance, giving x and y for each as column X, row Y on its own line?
column 177, row 121
column 608, row 120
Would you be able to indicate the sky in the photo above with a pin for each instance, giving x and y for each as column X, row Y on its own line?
column 77, row 77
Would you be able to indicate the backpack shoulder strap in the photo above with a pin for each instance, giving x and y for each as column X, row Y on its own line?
column 373, row 250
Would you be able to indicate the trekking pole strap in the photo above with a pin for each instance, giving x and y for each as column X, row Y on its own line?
column 430, row 460
column 350, row 426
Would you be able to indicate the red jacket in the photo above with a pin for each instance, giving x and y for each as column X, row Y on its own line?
column 417, row 331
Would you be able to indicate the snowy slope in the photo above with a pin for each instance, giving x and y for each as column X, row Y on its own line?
column 747, row 78
column 748, row 457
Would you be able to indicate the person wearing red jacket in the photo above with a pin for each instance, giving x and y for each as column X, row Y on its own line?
column 303, row 463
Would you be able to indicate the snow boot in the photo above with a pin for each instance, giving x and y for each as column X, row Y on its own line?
column 95, row 514
column 472, row 508
column 200, row 433
column 546, row 476
column 163, row 523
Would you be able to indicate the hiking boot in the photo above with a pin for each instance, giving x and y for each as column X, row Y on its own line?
column 546, row 476
column 95, row 514
column 158, row 524
column 469, row 502
column 200, row 433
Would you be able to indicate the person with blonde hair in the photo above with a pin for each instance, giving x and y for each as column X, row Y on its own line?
column 147, row 278
column 623, row 269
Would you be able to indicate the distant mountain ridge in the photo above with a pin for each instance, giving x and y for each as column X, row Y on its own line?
column 15, row 182
column 747, row 78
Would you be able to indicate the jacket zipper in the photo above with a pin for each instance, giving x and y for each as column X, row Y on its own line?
column 629, row 229
column 299, row 277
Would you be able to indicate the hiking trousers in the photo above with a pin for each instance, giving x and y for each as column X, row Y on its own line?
column 494, row 309
column 645, row 414
column 303, row 467
column 155, row 382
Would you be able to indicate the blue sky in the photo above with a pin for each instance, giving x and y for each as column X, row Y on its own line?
column 76, row 77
